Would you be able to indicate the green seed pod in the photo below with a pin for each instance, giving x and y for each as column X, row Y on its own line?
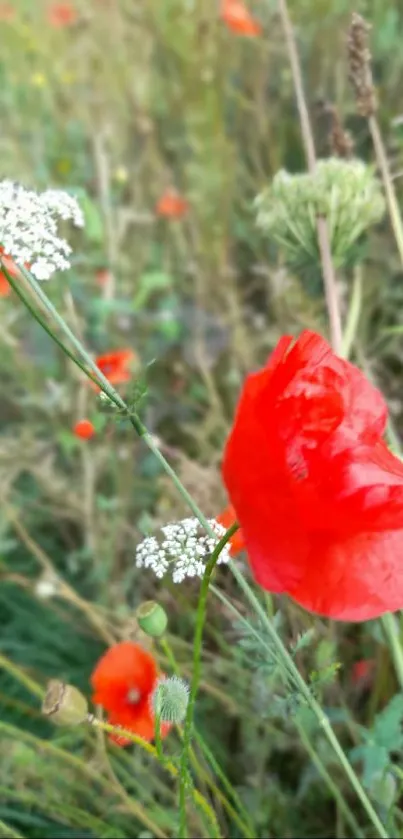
column 170, row 700
column 64, row 704
column 152, row 618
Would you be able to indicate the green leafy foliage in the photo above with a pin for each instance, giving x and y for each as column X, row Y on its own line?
column 384, row 738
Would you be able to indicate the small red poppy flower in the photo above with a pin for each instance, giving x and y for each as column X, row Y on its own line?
column 84, row 429
column 238, row 18
column 11, row 267
column 116, row 365
column 318, row 494
column 102, row 277
column 7, row 13
column 171, row 205
column 362, row 670
column 61, row 15
column 5, row 288
column 124, row 681
column 227, row 518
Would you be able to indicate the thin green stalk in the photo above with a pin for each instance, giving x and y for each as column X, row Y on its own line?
column 80, row 818
column 21, row 676
column 306, row 693
column 392, row 632
column 382, row 160
column 198, row 798
column 243, row 822
column 158, row 738
column 327, row 778
column 17, row 288
column 8, row 832
column 354, row 312
column 197, row 646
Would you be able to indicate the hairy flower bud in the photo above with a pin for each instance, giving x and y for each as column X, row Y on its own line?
column 64, row 704
column 170, row 700
column 152, row 618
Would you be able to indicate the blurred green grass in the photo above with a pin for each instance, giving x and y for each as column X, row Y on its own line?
column 131, row 99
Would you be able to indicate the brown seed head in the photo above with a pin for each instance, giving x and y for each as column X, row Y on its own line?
column 340, row 141
column 359, row 59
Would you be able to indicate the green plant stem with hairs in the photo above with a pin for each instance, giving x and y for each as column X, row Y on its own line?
column 194, row 685
column 284, row 656
column 327, row 778
column 243, row 822
column 170, row 767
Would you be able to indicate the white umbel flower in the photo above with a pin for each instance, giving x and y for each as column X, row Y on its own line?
column 28, row 227
column 183, row 550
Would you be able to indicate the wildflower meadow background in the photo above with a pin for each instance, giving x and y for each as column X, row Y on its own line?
column 184, row 183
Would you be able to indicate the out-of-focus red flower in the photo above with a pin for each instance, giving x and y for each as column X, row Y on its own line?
column 116, row 365
column 171, row 205
column 123, row 682
column 102, row 277
column 7, row 13
column 5, row 288
column 316, row 491
column 227, row 518
column 12, row 268
column 238, row 18
column 362, row 670
column 61, row 15
column 84, row 429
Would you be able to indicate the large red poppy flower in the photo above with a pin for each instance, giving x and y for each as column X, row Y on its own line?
column 116, row 365
column 123, row 682
column 316, row 491
column 238, row 18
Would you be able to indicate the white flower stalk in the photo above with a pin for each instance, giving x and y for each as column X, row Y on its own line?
column 183, row 551
column 28, row 227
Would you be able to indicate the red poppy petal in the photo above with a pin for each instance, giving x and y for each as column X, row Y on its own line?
column 227, row 518
column 123, row 667
column 238, row 18
column 356, row 580
column 5, row 288
column 315, row 490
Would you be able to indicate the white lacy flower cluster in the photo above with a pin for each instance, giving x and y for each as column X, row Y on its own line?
column 184, row 549
column 28, row 227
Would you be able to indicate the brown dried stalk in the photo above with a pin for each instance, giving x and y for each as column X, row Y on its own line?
column 360, row 75
column 329, row 278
